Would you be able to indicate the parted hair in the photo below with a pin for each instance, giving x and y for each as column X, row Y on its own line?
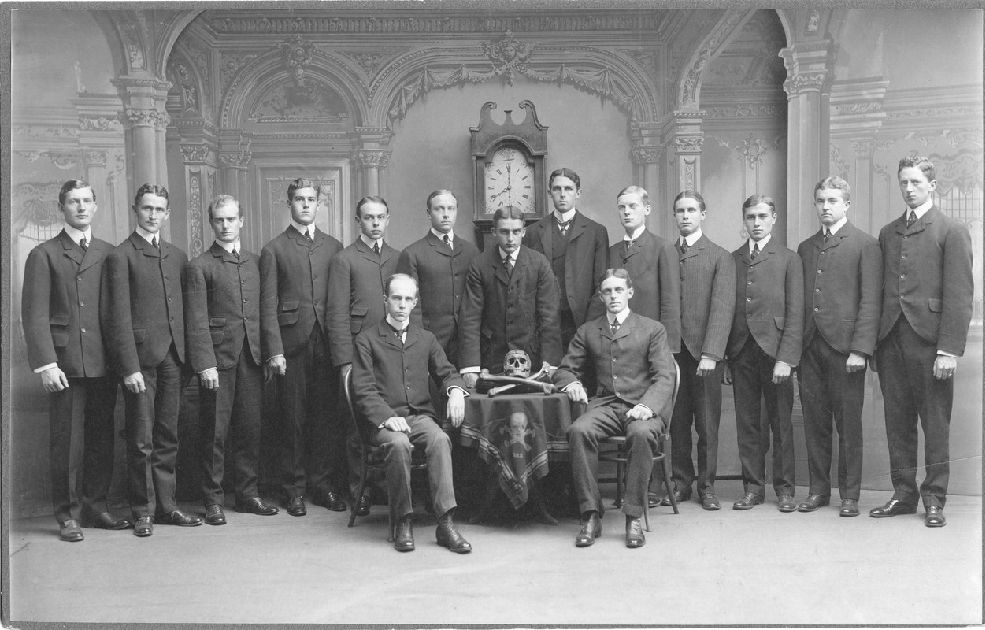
column 635, row 190
column 297, row 184
column 835, row 183
column 691, row 194
column 370, row 199
column 224, row 200
column 564, row 172
column 755, row 200
column 506, row 213
column 73, row 184
column 149, row 189
column 438, row 193
column 399, row 276
column 921, row 162
column 616, row 273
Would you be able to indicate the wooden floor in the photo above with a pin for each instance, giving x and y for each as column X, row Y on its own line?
column 697, row 568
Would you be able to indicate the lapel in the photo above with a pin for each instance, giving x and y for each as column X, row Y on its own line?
column 71, row 250
column 644, row 242
column 141, row 245
column 386, row 252
column 692, row 250
column 319, row 240
column 578, row 225
column 365, row 251
column 919, row 225
column 389, row 337
column 500, row 270
column 219, row 252
column 833, row 240
column 625, row 328
column 413, row 336
column 764, row 253
column 547, row 235
column 438, row 245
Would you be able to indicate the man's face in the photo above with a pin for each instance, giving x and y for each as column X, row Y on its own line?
column 759, row 221
column 632, row 211
column 226, row 223
column 78, row 208
column 443, row 211
column 689, row 215
column 615, row 294
column 372, row 219
column 915, row 186
column 564, row 193
column 402, row 299
column 152, row 212
column 509, row 234
column 831, row 205
column 304, row 205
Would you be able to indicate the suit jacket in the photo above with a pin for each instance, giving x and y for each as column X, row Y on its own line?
column 391, row 379
column 842, row 289
column 652, row 265
column 707, row 298
column 440, row 275
column 769, row 302
column 141, row 310
column 503, row 311
column 222, row 308
column 356, row 288
column 584, row 261
column 293, row 289
column 60, row 306
column 927, row 277
column 634, row 365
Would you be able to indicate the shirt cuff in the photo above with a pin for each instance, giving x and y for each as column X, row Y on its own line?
column 946, row 354
column 44, row 368
column 462, row 389
column 469, row 370
column 214, row 367
column 565, row 388
column 276, row 356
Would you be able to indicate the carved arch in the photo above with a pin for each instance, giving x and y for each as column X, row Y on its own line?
column 141, row 41
column 720, row 36
column 203, row 107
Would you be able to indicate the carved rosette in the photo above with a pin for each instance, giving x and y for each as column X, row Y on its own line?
column 374, row 158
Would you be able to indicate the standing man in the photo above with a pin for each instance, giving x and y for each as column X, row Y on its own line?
column 577, row 249
column 511, row 300
column 763, row 347
column 222, row 328
column 707, row 276
column 439, row 263
column 634, row 368
column 356, row 288
column 392, row 366
column 60, row 315
column 842, row 291
column 927, row 291
column 293, row 293
column 143, row 324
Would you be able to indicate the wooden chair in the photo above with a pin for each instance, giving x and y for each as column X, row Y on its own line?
column 617, row 454
column 371, row 456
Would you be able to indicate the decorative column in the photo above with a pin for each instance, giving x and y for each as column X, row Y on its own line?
column 234, row 159
column 688, row 140
column 646, row 154
column 807, row 129
column 200, row 170
column 145, row 123
column 101, row 138
column 373, row 155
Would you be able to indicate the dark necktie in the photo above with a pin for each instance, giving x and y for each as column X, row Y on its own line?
column 563, row 226
column 755, row 251
column 156, row 243
column 911, row 218
column 629, row 244
column 236, row 253
column 683, row 245
column 307, row 236
column 447, row 241
column 83, row 244
column 398, row 333
column 827, row 235
column 614, row 327
column 508, row 263
column 376, row 248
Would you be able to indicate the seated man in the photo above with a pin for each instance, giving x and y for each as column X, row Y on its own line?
column 630, row 358
column 391, row 364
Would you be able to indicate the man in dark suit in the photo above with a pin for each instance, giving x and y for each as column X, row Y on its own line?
column 222, row 328
column 392, row 365
column 763, row 347
column 927, row 291
column 707, row 277
column 634, row 368
column 510, row 303
column 577, row 249
column 293, row 315
column 60, row 315
column 143, row 327
column 439, row 263
column 842, row 291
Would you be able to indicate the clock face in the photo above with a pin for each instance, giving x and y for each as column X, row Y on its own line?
column 509, row 181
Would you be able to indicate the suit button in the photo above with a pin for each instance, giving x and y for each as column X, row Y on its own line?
column 82, row 330
column 823, row 252
column 169, row 299
column 819, row 271
column 903, row 257
column 902, row 276
column 817, row 290
column 817, row 308
column 748, row 299
column 244, row 300
column 82, row 303
column 749, row 283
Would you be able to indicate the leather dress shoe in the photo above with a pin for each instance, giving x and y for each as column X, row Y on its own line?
column 634, row 533
column 331, row 500
column 747, row 502
column 785, row 503
column 103, row 520
column 69, row 531
column 895, row 507
column 295, row 506
column 362, row 506
column 591, row 528
column 404, row 538
column 680, row 496
column 449, row 537
column 849, row 507
column 813, row 502
column 144, row 526
column 934, row 517
column 710, row 502
column 256, row 505
column 177, row 517
column 652, row 500
column 214, row 514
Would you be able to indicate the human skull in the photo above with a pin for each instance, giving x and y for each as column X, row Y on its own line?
column 516, row 363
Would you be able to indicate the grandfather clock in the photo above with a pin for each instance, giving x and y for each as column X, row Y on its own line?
column 509, row 167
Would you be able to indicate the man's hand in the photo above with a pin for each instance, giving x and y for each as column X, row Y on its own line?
column 781, row 372
column 944, row 367
column 53, row 380
column 135, row 383
column 209, row 378
column 470, row 378
column 576, row 392
column 639, row 412
column 456, row 407
column 275, row 365
column 855, row 363
column 706, row 366
column 398, row 424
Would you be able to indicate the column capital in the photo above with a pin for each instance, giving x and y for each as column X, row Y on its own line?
column 197, row 154
column 145, row 117
column 646, row 154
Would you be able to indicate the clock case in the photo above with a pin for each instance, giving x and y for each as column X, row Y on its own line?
column 529, row 138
